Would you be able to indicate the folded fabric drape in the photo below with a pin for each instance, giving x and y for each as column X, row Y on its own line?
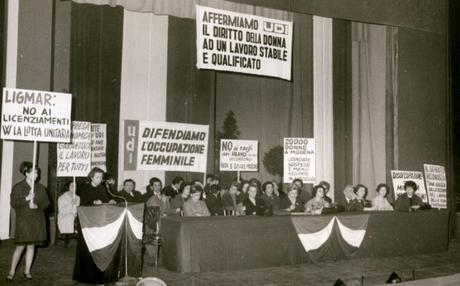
column 186, row 8
column 103, row 230
column 324, row 236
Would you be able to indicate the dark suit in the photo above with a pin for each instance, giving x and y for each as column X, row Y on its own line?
column 170, row 191
column 403, row 203
column 257, row 209
column 214, row 205
column 134, row 197
column 285, row 203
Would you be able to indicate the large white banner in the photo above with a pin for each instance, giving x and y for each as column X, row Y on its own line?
column 400, row 177
column 165, row 146
column 436, row 185
column 299, row 160
column 237, row 42
column 99, row 145
column 34, row 115
column 238, row 155
column 74, row 159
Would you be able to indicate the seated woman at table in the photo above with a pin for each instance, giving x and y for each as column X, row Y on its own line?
column 292, row 202
column 318, row 202
column 380, row 202
column 194, row 206
column 360, row 203
column 231, row 201
column 244, row 191
column 409, row 201
column 253, row 204
column 177, row 202
column 271, row 199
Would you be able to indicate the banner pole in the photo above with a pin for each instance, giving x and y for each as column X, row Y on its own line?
column 238, row 176
column 74, row 181
column 204, row 179
column 32, row 190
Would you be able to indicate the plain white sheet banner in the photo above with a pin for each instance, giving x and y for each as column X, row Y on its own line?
column 238, row 155
column 165, row 146
column 299, row 160
column 237, row 42
column 436, row 184
column 99, row 145
column 401, row 177
column 34, row 115
column 74, row 159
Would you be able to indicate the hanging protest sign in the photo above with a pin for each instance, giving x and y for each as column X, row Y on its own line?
column 237, row 42
column 400, row 177
column 34, row 115
column 436, row 185
column 238, row 155
column 74, row 159
column 299, row 160
column 165, row 146
column 99, row 145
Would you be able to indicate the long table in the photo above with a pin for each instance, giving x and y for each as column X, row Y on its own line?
column 197, row 244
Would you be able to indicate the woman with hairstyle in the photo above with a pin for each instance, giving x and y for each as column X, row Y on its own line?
column 194, row 206
column 292, row 202
column 92, row 193
column 67, row 210
column 326, row 186
column 271, row 199
column 231, row 200
column 409, row 201
column 361, row 203
column 253, row 204
column 318, row 202
column 30, row 218
column 178, row 201
column 244, row 191
column 380, row 202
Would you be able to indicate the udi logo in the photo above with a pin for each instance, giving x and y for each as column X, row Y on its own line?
column 277, row 28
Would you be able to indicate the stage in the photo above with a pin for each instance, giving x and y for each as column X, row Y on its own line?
column 197, row 244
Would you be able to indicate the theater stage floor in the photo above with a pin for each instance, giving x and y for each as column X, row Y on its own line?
column 54, row 264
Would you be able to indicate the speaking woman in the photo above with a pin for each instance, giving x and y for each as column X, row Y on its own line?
column 92, row 193
column 30, row 218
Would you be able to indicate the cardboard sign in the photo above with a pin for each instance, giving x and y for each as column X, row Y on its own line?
column 34, row 115
column 74, row 159
column 237, row 42
column 99, row 145
column 436, row 184
column 238, row 155
column 165, row 146
column 299, row 160
column 400, row 177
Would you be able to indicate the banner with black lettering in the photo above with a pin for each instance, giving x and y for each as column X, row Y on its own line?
column 99, row 145
column 239, row 155
column 436, row 184
column 400, row 177
column 34, row 115
column 237, row 42
column 165, row 146
column 74, row 159
column 299, row 160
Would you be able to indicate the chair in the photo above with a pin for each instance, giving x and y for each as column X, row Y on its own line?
column 151, row 231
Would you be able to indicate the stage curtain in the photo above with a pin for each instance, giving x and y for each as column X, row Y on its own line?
column 269, row 109
column 368, row 104
column 96, row 44
column 266, row 109
column 426, row 15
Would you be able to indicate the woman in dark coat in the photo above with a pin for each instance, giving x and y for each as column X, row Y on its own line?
column 30, row 218
column 85, row 270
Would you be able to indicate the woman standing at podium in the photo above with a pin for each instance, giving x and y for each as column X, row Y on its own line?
column 85, row 270
column 30, row 227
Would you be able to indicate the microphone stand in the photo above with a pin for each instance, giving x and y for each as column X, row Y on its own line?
column 125, row 280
